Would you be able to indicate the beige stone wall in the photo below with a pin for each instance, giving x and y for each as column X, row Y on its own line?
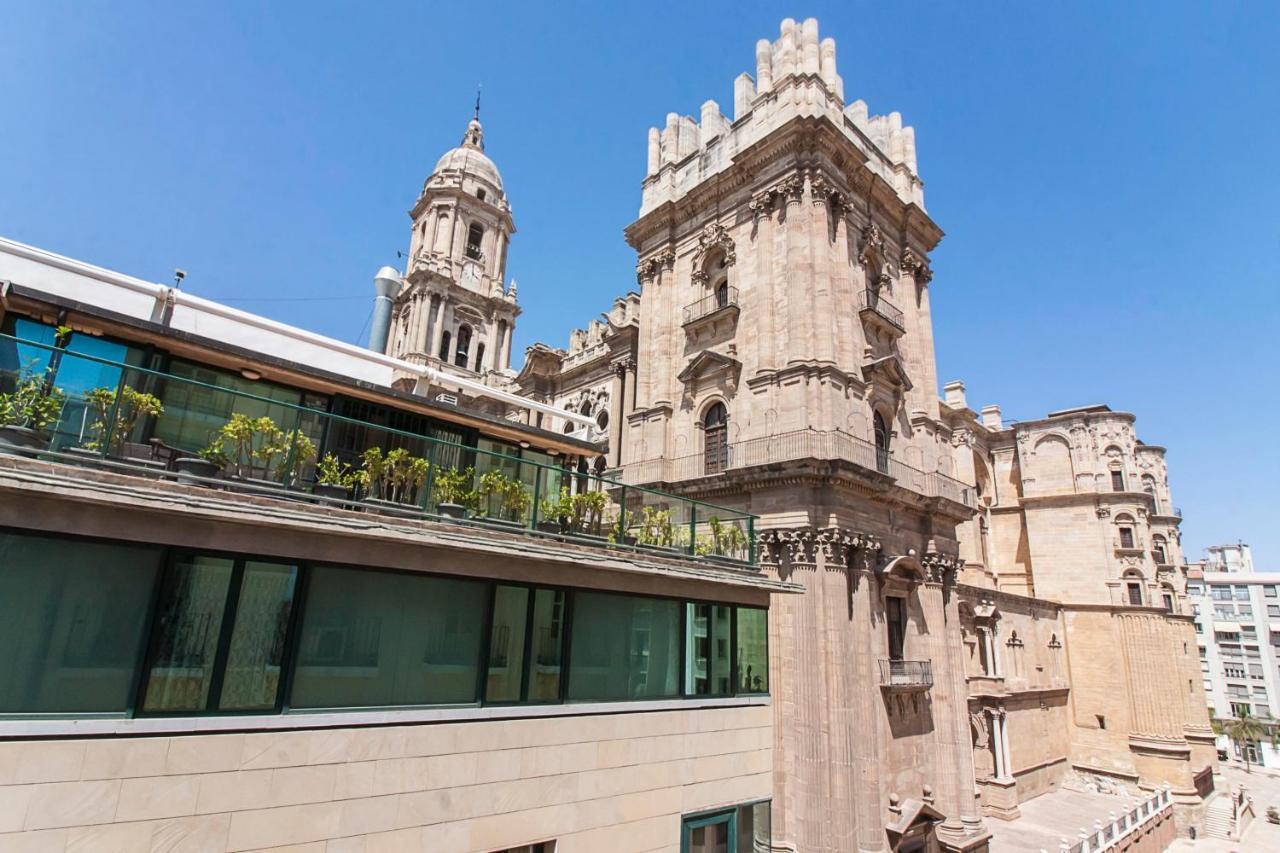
column 616, row 782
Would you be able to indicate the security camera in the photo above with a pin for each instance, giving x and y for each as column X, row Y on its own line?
column 179, row 275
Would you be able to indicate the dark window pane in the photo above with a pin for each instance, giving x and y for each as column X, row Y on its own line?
column 753, row 650
column 193, row 599
column 895, row 619
column 71, row 621
column 506, row 644
column 708, row 652
column 548, row 643
column 256, row 655
column 624, row 647
column 381, row 639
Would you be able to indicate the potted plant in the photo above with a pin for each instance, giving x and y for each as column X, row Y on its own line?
column 294, row 453
column 208, row 462
column 246, row 440
column 503, row 499
column 453, row 492
column 114, row 419
column 588, row 511
column 554, row 512
column 27, row 412
column 334, row 479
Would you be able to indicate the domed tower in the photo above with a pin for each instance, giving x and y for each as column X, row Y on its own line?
column 454, row 309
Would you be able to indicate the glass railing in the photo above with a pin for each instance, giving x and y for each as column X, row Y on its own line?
column 126, row 417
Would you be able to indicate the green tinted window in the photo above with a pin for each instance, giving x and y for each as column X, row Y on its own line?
column 193, row 413
column 72, row 615
column 548, row 645
column 255, row 656
column 707, row 656
column 624, row 647
column 379, row 639
column 753, row 650
column 184, row 644
column 506, row 644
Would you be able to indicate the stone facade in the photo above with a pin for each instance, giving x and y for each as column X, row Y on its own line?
column 1075, row 510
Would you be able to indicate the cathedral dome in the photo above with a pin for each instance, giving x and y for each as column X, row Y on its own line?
column 469, row 159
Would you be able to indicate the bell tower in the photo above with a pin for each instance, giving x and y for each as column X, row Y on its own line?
column 455, row 310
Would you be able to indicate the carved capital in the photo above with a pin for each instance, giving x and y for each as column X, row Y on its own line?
column 872, row 243
column 649, row 268
column 762, row 202
column 791, row 188
column 803, row 545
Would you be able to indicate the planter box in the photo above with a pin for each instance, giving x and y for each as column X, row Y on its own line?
column 22, row 438
column 457, row 511
column 500, row 522
column 329, row 490
column 549, row 527
column 406, row 510
column 191, row 467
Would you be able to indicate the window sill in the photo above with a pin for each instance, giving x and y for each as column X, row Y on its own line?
column 85, row 726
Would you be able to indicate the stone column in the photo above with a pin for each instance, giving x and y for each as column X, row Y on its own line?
column 437, row 331
column 997, row 744
column 506, row 347
column 618, row 389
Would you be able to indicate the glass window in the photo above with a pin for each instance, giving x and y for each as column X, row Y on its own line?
column 713, row 834
column 624, row 647
column 707, row 653
column 548, row 645
column 374, row 638
column 1242, row 593
column 72, row 616
column 506, row 644
column 184, row 644
column 193, row 413
column 753, row 650
column 17, row 359
column 1269, row 591
column 255, row 658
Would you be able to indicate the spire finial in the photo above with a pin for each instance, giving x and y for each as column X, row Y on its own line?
column 479, row 86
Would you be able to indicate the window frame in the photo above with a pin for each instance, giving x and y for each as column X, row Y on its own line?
column 723, row 814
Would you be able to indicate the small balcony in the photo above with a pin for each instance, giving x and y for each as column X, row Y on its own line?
column 906, row 675
column 710, row 309
column 872, row 303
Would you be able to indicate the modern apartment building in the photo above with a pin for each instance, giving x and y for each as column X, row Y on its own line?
column 1238, row 635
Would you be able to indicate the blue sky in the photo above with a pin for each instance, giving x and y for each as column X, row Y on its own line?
column 1106, row 174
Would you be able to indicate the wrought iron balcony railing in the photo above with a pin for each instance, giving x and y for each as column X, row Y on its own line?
column 802, row 444
column 906, row 674
column 707, row 305
column 869, row 300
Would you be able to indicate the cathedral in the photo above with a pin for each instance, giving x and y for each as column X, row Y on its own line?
column 990, row 611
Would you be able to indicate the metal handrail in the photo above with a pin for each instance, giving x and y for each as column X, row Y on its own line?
column 655, row 520
column 804, row 444
column 906, row 673
column 869, row 300
column 710, row 304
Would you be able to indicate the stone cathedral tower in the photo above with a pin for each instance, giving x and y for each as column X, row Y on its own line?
column 786, row 366
column 454, row 309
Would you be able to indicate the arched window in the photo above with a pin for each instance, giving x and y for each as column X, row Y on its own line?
column 1170, row 601
column 882, row 444
column 475, row 237
column 464, row 346
column 1158, row 550
column 715, row 439
column 445, row 339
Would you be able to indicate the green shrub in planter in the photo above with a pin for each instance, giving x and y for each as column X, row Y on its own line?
column 117, row 414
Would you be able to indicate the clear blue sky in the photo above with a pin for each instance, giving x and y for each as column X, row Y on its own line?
column 1106, row 174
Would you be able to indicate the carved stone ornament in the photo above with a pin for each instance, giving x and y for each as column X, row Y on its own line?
column 792, row 187
column 940, row 568
column 762, row 202
column 823, row 191
column 978, row 720
column 872, row 241
column 802, row 545
column 913, row 265
column 714, row 236
column 650, row 267
column 1104, row 512
column 962, row 437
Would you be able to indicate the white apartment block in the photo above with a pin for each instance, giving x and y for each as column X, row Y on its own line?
column 1238, row 632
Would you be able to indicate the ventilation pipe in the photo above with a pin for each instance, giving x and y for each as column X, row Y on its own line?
column 387, row 284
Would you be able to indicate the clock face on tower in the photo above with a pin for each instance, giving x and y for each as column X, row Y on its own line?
column 471, row 277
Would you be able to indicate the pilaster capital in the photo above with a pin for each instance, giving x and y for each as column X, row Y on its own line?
column 803, row 545
column 649, row 268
